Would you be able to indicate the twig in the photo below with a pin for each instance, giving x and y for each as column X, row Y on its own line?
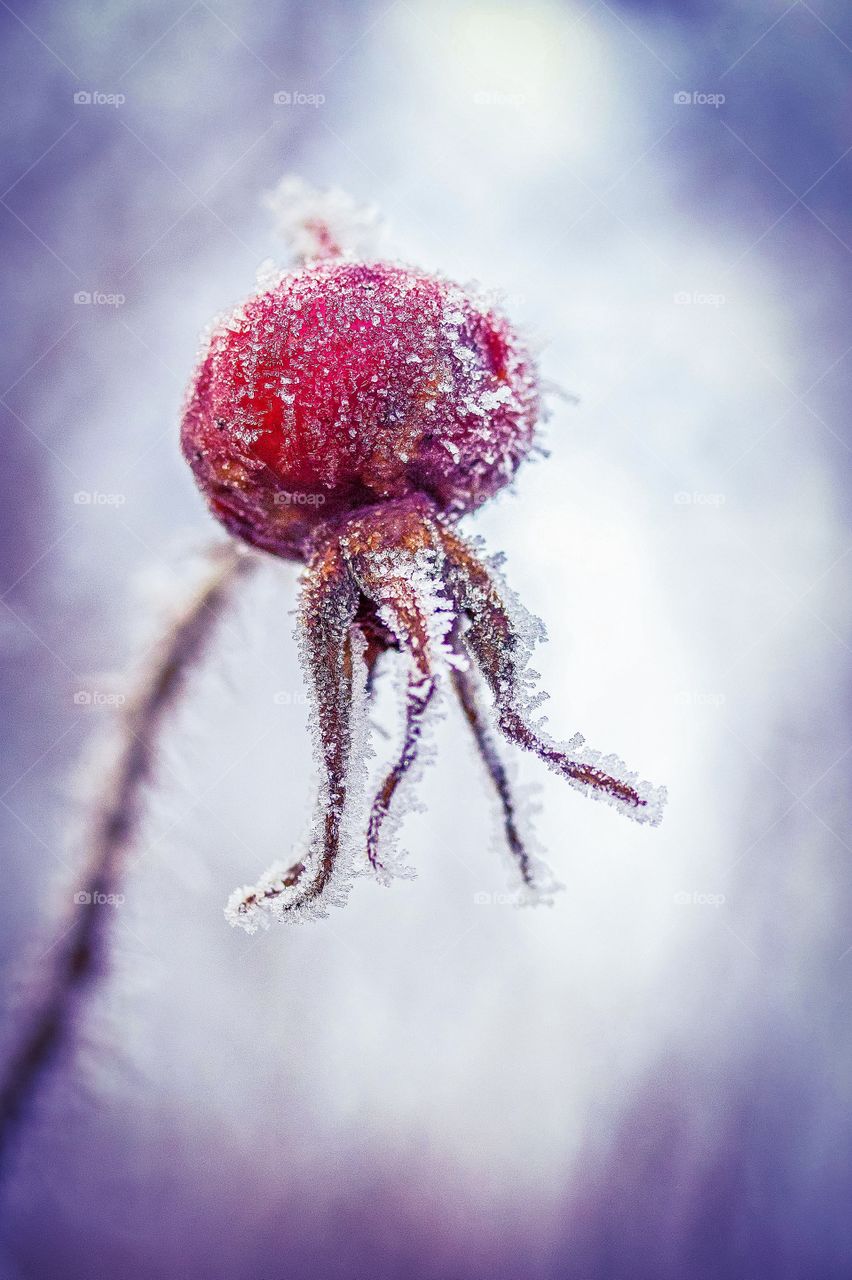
column 79, row 951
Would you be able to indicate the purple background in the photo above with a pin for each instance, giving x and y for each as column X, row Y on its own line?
column 653, row 1078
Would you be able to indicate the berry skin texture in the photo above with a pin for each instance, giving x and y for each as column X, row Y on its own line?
column 348, row 384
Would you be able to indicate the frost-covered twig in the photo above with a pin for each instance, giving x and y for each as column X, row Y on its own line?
column 76, row 956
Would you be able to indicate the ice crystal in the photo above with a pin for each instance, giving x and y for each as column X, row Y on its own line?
column 322, row 224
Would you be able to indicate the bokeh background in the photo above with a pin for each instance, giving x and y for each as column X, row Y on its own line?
column 652, row 1078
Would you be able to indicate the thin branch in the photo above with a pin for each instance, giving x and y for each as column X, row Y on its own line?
column 77, row 957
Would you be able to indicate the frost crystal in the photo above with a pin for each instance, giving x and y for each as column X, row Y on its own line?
column 323, row 224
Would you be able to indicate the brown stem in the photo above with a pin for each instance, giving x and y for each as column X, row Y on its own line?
column 77, row 954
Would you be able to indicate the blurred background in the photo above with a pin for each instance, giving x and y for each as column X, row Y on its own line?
column 652, row 1078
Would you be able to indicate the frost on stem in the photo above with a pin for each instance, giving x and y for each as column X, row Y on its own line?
column 535, row 876
column 399, row 577
column 332, row 655
column 362, row 592
column 77, row 956
column 323, row 224
column 403, row 592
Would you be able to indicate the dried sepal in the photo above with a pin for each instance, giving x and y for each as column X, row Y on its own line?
column 500, row 636
column 536, row 877
column 332, row 653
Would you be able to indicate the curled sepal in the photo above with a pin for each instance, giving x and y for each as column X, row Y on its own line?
column 400, row 573
column 333, row 659
column 420, row 690
column 252, row 906
column 501, row 637
column 536, row 876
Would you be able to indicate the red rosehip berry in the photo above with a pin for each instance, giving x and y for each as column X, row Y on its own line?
column 348, row 384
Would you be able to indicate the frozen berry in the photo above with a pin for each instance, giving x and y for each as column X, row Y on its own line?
column 348, row 384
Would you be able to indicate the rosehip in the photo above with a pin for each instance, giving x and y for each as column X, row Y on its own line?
column 349, row 384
